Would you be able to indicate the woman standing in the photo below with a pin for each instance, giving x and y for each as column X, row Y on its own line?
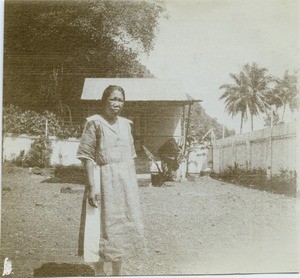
column 107, row 142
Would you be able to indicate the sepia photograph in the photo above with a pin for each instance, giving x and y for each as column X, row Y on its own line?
column 150, row 138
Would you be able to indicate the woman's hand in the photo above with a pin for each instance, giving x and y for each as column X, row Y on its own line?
column 93, row 197
column 89, row 170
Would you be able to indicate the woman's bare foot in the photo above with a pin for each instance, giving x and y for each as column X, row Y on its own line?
column 117, row 268
column 99, row 269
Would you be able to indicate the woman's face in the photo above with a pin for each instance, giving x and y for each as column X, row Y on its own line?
column 114, row 104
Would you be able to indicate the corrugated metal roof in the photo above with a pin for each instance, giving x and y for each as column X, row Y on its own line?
column 137, row 89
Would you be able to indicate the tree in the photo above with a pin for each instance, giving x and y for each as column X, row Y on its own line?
column 68, row 27
column 51, row 46
column 247, row 96
column 285, row 93
column 235, row 98
column 271, row 118
column 257, row 84
column 201, row 123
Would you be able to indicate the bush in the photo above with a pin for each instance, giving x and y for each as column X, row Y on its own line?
column 282, row 183
column 39, row 153
column 285, row 182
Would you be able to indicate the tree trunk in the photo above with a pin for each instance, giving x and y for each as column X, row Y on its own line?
column 251, row 122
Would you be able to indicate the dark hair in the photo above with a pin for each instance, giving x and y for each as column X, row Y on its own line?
column 109, row 90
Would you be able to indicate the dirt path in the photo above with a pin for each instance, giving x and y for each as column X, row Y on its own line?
column 200, row 227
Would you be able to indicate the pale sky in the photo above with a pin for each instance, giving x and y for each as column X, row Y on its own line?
column 205, row 40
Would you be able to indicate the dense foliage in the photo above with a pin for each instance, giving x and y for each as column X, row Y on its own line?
column 201, row 123
column 19, row 121
column 39, row 154
column 52, row 46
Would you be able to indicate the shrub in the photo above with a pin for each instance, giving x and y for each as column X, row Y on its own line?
column 39, row 153
column 282, row 183
column 285, row 182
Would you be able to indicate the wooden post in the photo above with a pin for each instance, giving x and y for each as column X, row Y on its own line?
column 212, row 156
column 298, row 158
column 46, row 128
column 248, row 153
column 269, row 157
column 212, row 135
column 221, row 159
column 183, row 130
column 186, row 134
column 212, row 148
column 234, row 151
column 269, row 153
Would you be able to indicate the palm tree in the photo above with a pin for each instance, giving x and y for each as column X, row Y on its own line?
column 285, row 93
column 235, row 98
column 257, row 84
column 248, row 94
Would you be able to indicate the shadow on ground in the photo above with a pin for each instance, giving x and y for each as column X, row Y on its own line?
column 66, row 174
column 66, row 179
column 62, row 270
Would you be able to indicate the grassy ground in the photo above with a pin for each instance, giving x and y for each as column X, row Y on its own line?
column 203, row 226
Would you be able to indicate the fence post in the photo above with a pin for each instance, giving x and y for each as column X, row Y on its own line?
column 269, row 153
column 248, row 154
column 221, row 159
column 234, row 152
column 298, row 158
column 46, row 128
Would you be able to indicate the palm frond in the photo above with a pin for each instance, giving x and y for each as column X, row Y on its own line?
column 152, row 157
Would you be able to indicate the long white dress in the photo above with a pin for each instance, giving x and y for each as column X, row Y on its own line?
column 114, row 231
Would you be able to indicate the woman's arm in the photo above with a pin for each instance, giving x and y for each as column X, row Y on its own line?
column 86, row 153
column 89, row 172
